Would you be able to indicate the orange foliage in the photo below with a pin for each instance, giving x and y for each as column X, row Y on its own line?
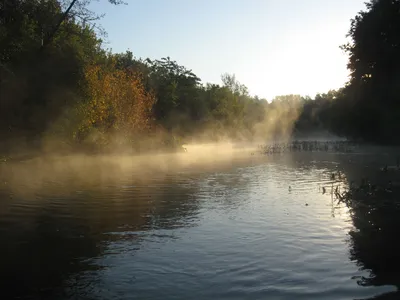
column 118, row 101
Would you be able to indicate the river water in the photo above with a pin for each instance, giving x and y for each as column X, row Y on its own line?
column 232, row 227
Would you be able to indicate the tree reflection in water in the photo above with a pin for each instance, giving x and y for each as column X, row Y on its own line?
column 54, row 240
column 375, row 212
column 53, row 251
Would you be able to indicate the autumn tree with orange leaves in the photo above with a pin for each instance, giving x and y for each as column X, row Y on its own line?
column 118, row 104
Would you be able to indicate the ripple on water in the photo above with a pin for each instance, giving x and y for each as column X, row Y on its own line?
column 236, row 233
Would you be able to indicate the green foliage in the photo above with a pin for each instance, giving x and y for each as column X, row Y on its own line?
column 323, row 113
column 37, row 86
column 55, row 79
column 368, row 107
column 373, row 91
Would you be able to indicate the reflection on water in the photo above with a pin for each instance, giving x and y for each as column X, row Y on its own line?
column 259, row 227
column 373, row 244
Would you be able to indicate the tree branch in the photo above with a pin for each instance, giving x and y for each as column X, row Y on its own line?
column 50, row 37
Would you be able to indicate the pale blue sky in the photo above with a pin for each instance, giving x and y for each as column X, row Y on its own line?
column 274, row 47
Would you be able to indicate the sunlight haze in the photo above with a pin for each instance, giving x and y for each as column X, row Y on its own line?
column 273, row 47
column 198, row 149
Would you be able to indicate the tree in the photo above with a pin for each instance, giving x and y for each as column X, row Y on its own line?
column 176, row 89
column 74, row 88
column 75, row 9
column 374, row 63
column 34, row 89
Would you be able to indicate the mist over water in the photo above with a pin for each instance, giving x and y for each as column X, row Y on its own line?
column 217, row 221
column 131, row 178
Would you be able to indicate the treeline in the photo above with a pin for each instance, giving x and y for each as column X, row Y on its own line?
column 59, row 88
column 368, row 106
column 58, row 84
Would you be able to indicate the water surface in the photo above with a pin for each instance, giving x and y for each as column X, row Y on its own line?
column 254, row 227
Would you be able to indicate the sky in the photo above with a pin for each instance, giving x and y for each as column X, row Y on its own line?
column 274, row 47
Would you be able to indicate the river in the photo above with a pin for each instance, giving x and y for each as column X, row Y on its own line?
column 246, row 226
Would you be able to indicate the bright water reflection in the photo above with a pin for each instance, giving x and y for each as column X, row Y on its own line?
column 259, row 228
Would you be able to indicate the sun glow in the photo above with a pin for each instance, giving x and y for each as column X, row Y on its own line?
column 303, row 65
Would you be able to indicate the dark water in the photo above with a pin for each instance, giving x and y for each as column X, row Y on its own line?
column 255, row 228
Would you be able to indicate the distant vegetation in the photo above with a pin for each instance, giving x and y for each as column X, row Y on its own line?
column 368, row 107
column 59, row 88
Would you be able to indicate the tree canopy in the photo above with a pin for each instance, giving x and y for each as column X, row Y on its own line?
column 374, row 60
column 56, row 79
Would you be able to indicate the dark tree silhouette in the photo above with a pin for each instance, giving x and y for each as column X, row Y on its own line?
column 374, row 61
